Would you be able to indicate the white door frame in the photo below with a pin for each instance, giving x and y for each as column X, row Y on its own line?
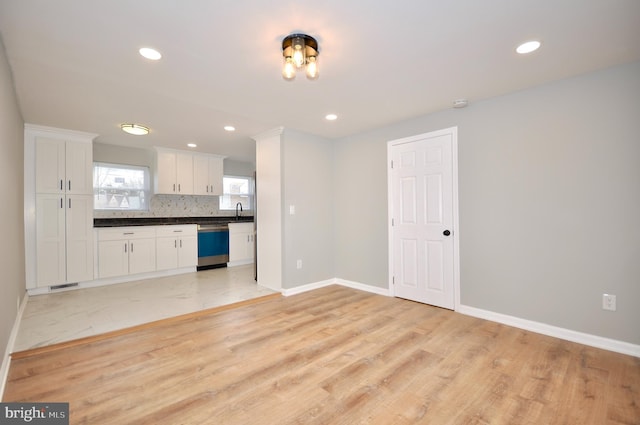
column 453, row 131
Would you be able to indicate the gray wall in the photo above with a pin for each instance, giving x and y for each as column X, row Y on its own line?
column 307, row 173
column 549, row 194
column 12, row 283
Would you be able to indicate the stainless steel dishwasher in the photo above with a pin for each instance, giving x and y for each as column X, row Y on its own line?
column 213, row 246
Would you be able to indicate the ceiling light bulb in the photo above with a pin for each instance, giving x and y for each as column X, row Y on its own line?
column 298, row 52
column 229, row 128
column 192, row 145
column 289, row 69
column 135, row 129
column 150, row 53
column 312, row 68
column 331, row 117
column 528, row 47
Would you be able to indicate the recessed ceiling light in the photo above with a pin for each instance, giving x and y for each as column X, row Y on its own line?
column 331, row 117
column 460, row 103
column 192, row 145
column 528, row 47
column 229, row 128
column 135, row 129
column 150, row 53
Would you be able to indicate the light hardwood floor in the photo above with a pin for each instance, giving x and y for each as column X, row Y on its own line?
column 331, row 356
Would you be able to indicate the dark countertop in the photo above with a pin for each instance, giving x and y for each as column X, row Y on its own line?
column 157, row 221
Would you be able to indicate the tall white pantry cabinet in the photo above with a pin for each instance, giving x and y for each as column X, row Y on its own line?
column 58, row 206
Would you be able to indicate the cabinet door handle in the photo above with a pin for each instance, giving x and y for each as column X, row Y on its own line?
column 125, row 247
column 69, row 203
column 131, row 247
column 69, row 185
column 61, row 184
column 175, row 244
column 174, row 187
column 180, row 243
column 178, row 187
column 61, row 203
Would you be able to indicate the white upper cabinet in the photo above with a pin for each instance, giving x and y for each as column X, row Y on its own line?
column 186, row 173
column 63, row 166
column 174, row 172
column 207, row 174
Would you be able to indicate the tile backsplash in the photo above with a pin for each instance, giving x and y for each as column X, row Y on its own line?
column 173, row 206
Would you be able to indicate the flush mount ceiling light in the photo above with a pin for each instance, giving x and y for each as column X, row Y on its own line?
column 299, row 51
column 528, row 47
column 331, row 117
column 135, row 129
column 150, row 53
column 192, row 145
column 229, row 128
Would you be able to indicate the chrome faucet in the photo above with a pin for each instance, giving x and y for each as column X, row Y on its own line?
column 239, row 204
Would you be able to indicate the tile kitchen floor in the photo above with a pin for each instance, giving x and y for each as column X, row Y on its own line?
column 64, row 316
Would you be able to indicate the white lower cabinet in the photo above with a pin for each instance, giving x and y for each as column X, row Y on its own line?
column 177, row 246
column 126, row 250
column 241, row 243
column 64, row 239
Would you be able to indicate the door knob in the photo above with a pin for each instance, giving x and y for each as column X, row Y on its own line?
column 446, row 233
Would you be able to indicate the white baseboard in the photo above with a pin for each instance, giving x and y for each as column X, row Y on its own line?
column 335, row 281
column 307, row 287
column 554, row 331
column 529, row 325
column 239, row 263
column 6, row 360
column 114, row 280
column 363, row 287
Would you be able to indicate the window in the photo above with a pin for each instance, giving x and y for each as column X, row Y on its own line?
column 119, row 187
column 234, row 190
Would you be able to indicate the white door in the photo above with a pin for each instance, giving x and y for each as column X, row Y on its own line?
column 424, row 216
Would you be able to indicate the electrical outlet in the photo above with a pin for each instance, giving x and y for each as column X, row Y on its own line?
column 608, row 302
column 299, row 264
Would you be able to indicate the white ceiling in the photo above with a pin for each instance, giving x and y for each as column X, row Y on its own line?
column 76, row 64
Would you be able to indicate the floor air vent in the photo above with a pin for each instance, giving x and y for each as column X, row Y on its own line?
column 66, row 285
